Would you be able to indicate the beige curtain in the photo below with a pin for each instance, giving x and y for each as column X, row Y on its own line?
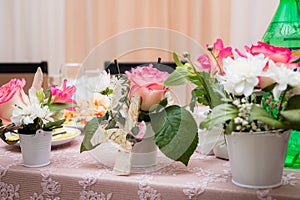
column 32, row 31
column 67, row 31
column 89, row 23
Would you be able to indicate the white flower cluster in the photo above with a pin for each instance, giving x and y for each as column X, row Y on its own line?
column 242, row 120
column 27, row 115
column 241, row 74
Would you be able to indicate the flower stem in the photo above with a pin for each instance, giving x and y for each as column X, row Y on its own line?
column 218, row 64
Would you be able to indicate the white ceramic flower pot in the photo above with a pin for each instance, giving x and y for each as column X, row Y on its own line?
column 144, row 153
column 257, row 160
column 36, row 148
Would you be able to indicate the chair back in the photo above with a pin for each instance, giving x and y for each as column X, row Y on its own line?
column 23, row 70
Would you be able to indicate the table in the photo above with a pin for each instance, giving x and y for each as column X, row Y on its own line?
column 72, row 175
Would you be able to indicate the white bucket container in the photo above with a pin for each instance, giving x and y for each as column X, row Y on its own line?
column 36, row 148
column 144, row 153
column 257, row 160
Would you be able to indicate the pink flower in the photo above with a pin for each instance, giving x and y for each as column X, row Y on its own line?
column 147, row 82
column 277, row 54
column 151, row 94
column 146, row 75
column 63, row 95
column 142, row 130
column 11, row 94
column 220, row 52
column 203, row 63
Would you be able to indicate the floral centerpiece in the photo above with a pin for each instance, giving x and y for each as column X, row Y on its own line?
column 255, row 97
column 40, row 109
column 137, row 97
column 253, row 91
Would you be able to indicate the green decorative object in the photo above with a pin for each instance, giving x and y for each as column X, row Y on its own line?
column 284, row 29
column 293, row 151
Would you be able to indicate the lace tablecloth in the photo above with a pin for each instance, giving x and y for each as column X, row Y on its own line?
column 72, row 175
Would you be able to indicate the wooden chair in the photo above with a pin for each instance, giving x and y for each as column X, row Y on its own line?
column 23, row 70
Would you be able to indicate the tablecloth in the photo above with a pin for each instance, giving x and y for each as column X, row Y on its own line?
column 74, row 175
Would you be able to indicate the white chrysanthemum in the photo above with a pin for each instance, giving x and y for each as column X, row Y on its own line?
column 241, row 74
column 43, row 113
column 103, row 81
column 22, row 116
column 27, row 115
column 283, row 77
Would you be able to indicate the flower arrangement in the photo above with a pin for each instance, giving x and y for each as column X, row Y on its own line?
column 40, row 109
column 138, row 97
column 247, row 92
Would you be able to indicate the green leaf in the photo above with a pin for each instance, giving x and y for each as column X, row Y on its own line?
column 292, row 116
column 212, row 93
column 176, row 60
column 89, row 131
column 293, row 103
column 177, row 77
column 230, row 127
column 60, row 106
column 164, row 102
column 296, row 61
column 52, row 125
column 219, row 115
column 175, row 133
column 200, row 96
column 260, row 114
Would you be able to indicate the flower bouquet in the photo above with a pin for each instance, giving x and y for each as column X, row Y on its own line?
column 138, row 98
column 254, row 93
column 33, row 115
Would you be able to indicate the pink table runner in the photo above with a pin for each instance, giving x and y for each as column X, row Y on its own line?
column 72, row 175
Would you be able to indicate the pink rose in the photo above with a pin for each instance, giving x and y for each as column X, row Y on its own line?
column 11, row 94
column 63, row 95
column 151, row 94
column 147, row 82
column 146, row 75
column 277, row 54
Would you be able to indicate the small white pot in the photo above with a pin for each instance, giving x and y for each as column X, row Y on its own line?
column 257, row 160
column 144, row 153
column 208, row 139
column 36, row 148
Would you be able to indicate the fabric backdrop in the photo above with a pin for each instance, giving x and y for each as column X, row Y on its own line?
column 66, row 31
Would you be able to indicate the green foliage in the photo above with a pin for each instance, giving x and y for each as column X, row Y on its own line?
column 54, row 107
column 176, row 60
column 178, row 77
column 207, row 92
column 175, row 132
column 219, row 115
column 53, row 125
column 258, row 113
column 107, row 91
column 89, row 130
column 294, row 103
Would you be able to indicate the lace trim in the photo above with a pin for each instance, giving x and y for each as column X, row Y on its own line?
column 50, row 189
column 145, row 191
column 193, row 190
column 8, row 191
column 87, row 193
